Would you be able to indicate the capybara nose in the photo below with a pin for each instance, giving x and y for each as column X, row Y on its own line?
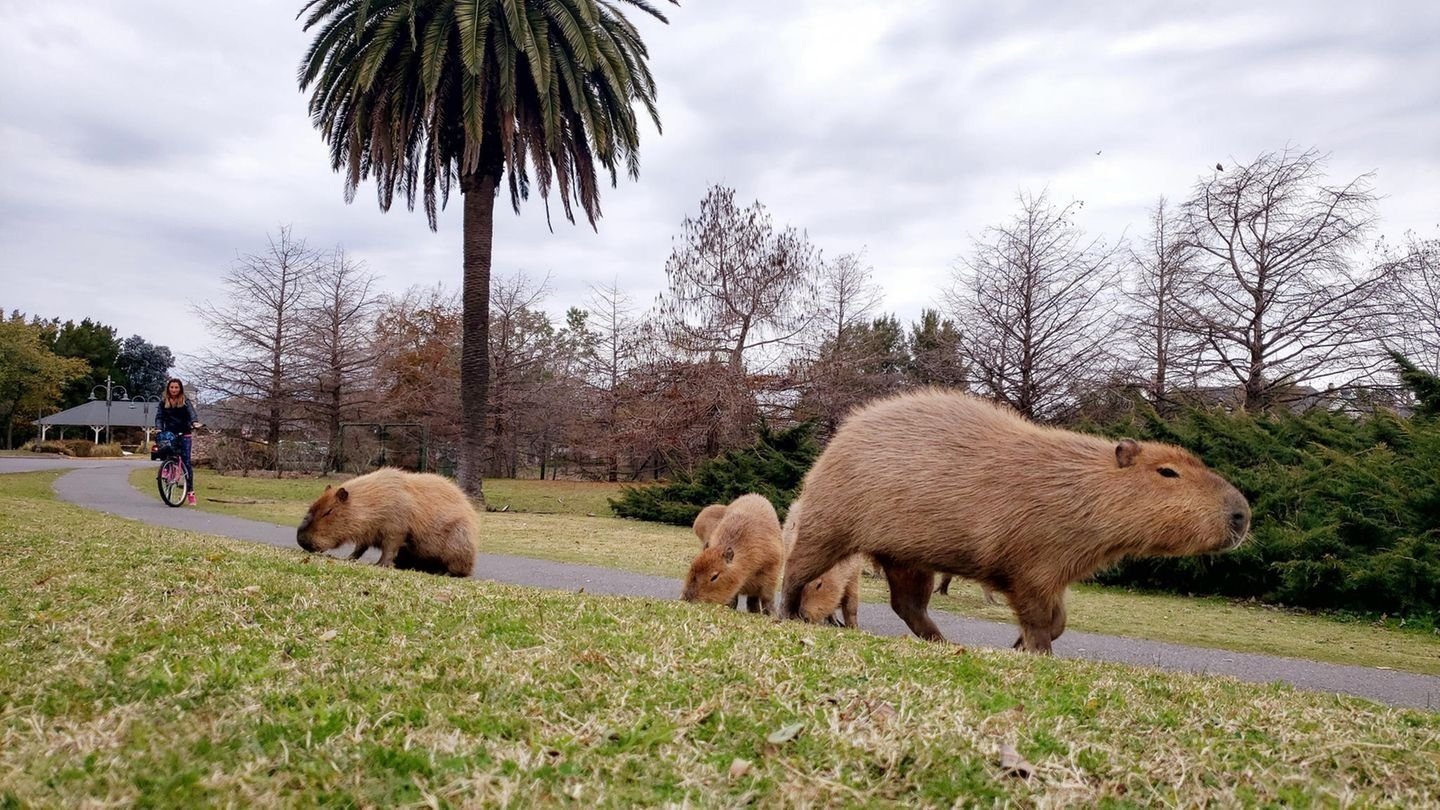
column 303, row 540
column 1239, row 522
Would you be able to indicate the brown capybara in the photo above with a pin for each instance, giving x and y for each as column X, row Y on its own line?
column 944, row 587
column 706, row 520
column 835, row 590
column 418, row 521
column 744, row 558
column 939, row 481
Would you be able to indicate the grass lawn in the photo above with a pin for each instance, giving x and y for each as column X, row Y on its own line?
column 147, row 666
column 667, row 550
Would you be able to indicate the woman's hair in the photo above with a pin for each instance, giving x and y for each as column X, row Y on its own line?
column 174, row 403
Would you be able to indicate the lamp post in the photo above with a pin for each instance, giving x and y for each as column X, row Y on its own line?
column 110, row 391
column 148, row 416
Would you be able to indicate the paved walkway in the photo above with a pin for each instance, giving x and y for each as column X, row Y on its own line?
column 104, row 486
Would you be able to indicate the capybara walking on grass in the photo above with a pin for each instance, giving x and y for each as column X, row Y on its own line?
column 706, row 520
column 838, row 589
column 743, row 558
column 936, row 481
column 418, row 521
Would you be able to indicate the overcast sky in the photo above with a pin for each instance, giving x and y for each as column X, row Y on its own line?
column 143, row 144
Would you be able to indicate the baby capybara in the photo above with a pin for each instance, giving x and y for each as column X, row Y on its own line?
column 744, row 558
column 942, row 481
column 835, row 590
column 418, row 521
column 706, row 520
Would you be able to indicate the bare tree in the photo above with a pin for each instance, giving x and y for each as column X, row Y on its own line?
column 1413, row 301
column 521, row 339
column 417, row 344
column 337, row 344
column 737, row 285
column 609, row 352
column 253, row 366
column 1162, row 278
column 1032, row 299
column 1279, row 300
column 847, row 295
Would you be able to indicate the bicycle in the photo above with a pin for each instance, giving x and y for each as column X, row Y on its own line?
column 172, row 477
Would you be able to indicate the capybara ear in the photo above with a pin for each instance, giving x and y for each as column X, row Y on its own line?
column 729, row 554
column 329, row 487
column 1125, row 452
column 342, row 495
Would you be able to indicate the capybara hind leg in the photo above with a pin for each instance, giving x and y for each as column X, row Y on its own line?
column 387, row 557
column 752, row 604
column 944, row 587
column 360, row 549
column 768, row 605
column 910, row 597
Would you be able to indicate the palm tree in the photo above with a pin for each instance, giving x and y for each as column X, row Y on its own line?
column 424, row 94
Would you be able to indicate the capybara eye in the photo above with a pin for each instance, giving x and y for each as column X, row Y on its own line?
column 1168, row 472
column 714, row 576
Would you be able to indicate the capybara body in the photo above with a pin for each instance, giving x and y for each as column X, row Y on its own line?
column 418, row 521
column 744, row 558
column 838, row 589
column 706, row 520
column 939, row 481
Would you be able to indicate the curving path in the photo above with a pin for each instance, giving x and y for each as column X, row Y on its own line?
column 104, row 486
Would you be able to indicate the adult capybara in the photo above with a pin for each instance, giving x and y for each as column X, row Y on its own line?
column 744, row 558
column 418, row 521
column 835, row 590
column 942, row 481
column 706, row 520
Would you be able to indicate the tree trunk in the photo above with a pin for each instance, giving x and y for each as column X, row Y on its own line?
column 479, row 192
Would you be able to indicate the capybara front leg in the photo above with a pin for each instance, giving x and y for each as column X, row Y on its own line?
column 360, row 549
column 752, row 604
column 1038, row 614
column 944, row 587
column 387, row 557
column 768, row 605
column 850, row 604
column 910, row 597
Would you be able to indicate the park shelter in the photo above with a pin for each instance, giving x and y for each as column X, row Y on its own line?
column 98, row 415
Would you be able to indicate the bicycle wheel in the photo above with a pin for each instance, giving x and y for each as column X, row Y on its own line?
column 171, row 482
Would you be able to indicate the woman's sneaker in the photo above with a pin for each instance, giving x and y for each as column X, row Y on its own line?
column 190, row 499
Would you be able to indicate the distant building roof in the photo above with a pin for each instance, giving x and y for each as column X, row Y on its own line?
column 123, row 413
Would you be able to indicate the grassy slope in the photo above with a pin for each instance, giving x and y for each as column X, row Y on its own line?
column 142, row 665
column 667, row 551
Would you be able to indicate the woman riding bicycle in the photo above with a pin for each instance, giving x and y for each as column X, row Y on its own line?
column 176, row 415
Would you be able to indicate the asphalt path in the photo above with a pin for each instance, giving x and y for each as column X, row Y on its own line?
column 104, row 486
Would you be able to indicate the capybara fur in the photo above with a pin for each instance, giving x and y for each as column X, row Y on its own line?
column 835, row 590
column 418, row 521
column 706, row 520
column 744, row 558
column 940, row 481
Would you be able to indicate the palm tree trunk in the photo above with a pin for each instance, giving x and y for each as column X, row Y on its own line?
column 479, row 192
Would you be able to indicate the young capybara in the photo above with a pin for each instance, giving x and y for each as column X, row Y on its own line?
column 706, row 520
column 418, row 521
column 939, row 481
column 744, row 558
column 835, row 590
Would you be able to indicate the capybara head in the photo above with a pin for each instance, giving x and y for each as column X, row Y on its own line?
column 714, row 576
column 1184, row 507
column 328, row 524
column 706, row 520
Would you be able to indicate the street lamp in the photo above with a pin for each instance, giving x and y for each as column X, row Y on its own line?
column 148, row 417
column 110, row 391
